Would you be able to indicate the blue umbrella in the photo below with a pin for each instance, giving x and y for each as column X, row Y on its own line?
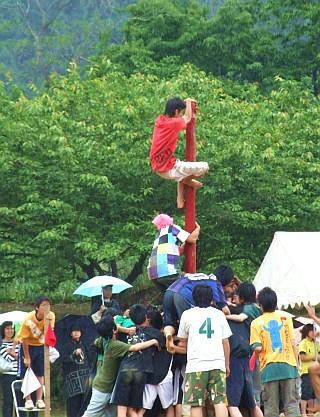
column 94, row 286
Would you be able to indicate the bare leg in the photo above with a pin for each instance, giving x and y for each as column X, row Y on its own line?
column 220, row 410
column 234, row 412
column 314, row 409
column 140, row 412
column 196, row 412
column 311, row 403
column 170, row 411
column 191, row 182
column 256, row 412
column 133, row 412
column 121, row 411
column 39, row 391
column 303, row 406
column 314, row 374
column 180, row 194
column 178, row 410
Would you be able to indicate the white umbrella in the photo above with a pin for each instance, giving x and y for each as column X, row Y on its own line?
column 291, row 268
column 94, row 286
column 16, row 317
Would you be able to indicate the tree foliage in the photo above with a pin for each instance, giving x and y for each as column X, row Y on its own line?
column 245, row 40
column 40, row 37
column 78, row 195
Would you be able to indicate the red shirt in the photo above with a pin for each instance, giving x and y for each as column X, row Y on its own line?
column 164, row 142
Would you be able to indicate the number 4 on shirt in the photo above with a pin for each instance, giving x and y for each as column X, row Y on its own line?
column 205, row 328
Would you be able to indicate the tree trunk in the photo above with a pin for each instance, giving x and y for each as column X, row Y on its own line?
column 137, row 269
column 114, row 268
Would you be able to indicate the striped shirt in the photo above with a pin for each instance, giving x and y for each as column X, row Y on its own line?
column 3, row 352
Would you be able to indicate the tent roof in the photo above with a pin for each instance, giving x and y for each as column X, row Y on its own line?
column 291, row 268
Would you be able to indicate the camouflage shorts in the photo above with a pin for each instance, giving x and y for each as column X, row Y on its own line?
column 200, row 386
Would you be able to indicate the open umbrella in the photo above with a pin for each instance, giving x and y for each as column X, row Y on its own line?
column 17, row 317
column 93, row 286
column 14, row 316
column 64, row 325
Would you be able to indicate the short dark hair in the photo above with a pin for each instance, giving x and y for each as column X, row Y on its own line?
column 138, row 314
column 224, row 274
column 4, row 325
column 155, row 318
column 110, row 311
column 106, row 326
column 202, row 295
column 175, row 103
column 306, row 329
column 267, row 298
column 76, row 328
column 40, row 300
column 124, row 307
column 247, row 292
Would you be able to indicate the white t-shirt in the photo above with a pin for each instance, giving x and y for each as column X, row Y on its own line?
column 205, row 328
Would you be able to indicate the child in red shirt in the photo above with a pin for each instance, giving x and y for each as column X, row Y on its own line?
column 164, row 142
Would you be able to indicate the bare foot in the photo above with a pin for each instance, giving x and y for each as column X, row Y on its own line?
column 196, row 184
column 170, row 345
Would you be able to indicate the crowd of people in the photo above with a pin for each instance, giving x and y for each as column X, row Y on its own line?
column 212, row 346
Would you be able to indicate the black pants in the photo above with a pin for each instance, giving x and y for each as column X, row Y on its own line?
column 7, row 398
column 6, row 381
column 77, row 405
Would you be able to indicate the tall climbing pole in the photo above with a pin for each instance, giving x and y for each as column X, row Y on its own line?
column 190, row 196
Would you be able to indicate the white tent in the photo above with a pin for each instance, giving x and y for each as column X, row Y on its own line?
column 291, row 268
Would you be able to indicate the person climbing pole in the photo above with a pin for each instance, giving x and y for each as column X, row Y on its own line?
column 164, row 142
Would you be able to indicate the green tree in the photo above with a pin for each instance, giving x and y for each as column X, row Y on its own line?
column 40, row 37
column 296, row 33
column 78, row 195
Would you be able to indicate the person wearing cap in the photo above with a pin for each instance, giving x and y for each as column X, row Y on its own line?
column 76, row 372
column 108, row 302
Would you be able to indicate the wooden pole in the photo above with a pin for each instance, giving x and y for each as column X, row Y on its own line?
column 190, row 197
column 47, row 395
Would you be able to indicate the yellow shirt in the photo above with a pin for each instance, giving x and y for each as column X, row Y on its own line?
column 32, row 330
column 309, row 347
column 274, row 332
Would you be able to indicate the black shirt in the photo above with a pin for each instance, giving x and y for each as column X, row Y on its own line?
column 143, row 360
column 108, row 304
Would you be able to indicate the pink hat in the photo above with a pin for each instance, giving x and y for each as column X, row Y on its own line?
column 162, row 220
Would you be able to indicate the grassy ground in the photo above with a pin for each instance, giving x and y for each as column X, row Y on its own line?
column 61, row 412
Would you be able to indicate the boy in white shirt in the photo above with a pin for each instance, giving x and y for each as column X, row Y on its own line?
column 204, row 331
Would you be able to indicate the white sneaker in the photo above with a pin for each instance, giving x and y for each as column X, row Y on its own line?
column 28, row 405
column 40, row 404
